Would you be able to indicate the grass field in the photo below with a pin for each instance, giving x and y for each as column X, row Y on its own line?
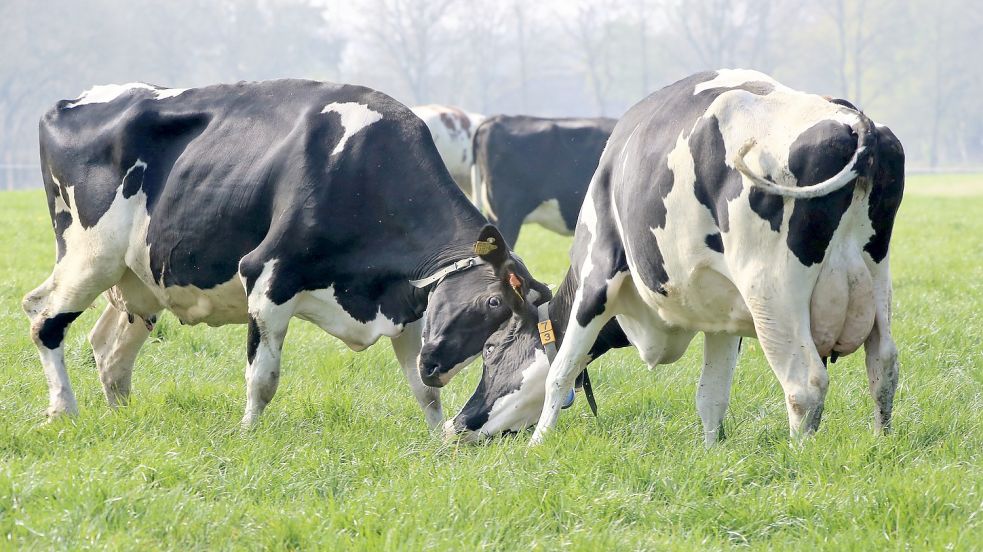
column 343, row 460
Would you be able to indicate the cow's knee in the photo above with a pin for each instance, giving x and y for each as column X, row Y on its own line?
column 804, row 401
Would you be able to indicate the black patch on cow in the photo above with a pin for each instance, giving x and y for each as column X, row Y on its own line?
column 715, row 242
column 716, row 184
column 133, row 180
column 770, row 207
column 886, row 192
column 252, row 339
column 818, row 154
column 52, row 330
column 61, row 222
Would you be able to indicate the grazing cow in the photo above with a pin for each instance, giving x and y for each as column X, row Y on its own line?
column 255, row 203
column 727, row 204
column 452, row 130
column 530, row 169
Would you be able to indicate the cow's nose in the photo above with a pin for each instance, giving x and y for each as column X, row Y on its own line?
column 430, row 374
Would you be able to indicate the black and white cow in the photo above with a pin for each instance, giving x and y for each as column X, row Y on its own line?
column 255, row 203
column 536, row 170
column 453, row 131
column 726, row 204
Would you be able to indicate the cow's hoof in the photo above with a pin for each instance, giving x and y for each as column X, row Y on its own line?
column 537, row 439
column 61, row 410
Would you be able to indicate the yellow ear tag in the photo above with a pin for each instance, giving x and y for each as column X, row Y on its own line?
column 484, row 247
column 546, row 335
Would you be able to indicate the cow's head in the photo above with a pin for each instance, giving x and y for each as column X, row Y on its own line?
column 466, row 307
column 512, row 390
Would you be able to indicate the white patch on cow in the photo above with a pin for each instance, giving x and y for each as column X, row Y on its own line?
column 515, row 411
column 743, row 116
column 106, row 93
column 354, row 117
column 321, row 307
column 587, row 218
column 61, row 206
column 549, row 217
column 729, row 78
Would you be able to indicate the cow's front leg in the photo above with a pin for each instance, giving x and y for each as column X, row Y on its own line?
column 407, row 348
column 570, row 361
column 713, row 393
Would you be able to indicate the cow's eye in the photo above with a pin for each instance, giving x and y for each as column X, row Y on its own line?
column 494, row 302
column 489, row 349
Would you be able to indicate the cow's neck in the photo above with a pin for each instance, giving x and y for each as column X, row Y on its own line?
column 561, row 309
column 447, row 235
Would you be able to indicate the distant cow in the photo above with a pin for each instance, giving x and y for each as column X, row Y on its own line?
column 254, row 203
column 536, row 170
column 452, row 130
column 726, row 204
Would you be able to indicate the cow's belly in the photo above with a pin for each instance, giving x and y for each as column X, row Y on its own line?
column 549, row 217
column 217, row 306
column 706, row 301
column 323, row 309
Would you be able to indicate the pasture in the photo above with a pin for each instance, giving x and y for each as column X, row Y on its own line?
column 342, row 458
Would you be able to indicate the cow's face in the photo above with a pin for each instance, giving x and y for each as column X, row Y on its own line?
column 512, row 390
column 469, row 306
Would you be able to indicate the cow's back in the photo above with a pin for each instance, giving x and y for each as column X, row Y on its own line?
column 192, row 181
column 538, row 168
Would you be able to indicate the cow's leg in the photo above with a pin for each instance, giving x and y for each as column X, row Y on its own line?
column 407, row 348
column 266, row 329
column 882, row 354
column 713, row 394
column 116, row 339
column 570, row 361
column 51, row 308
column 783, row 329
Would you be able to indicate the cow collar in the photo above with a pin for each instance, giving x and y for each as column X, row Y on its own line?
column 548, row 338
column 457, row 266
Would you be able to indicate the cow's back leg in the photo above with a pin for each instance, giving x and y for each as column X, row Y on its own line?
column 53, row 306
column 407, row 348
column 116, row 339
column 783, row 328
column 713, row 393
column 881, row 352
column 266, row 330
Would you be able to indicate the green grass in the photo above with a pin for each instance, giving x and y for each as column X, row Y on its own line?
column 342, row 458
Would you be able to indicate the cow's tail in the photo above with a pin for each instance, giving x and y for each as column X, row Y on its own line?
column 477, row 179
column 866, row 135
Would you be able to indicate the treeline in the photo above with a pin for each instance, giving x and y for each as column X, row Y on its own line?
column 912, row 64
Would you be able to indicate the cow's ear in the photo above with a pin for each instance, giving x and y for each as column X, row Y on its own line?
column 515, row 286
column 491, row 247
